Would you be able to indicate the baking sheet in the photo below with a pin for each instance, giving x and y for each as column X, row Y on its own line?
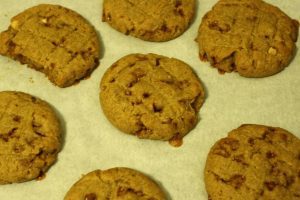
column 91, row 142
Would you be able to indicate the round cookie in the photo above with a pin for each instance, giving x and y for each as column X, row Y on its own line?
column 115, row 183
column 54, row 40
column 29, row 137
column 151, row 20
column 151, row 96
column 250, row 37
column 254, row 162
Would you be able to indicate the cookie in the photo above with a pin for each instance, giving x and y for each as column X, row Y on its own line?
column 29, row 137
column 150, row 20
column 151, row 96
column 254, row 162
column 53, row 40
column 115, row 183
column 250, row 37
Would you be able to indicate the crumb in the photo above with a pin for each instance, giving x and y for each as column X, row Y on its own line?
column 176, row 142
column 87, row 77
column 42, row 176
column 31, row 80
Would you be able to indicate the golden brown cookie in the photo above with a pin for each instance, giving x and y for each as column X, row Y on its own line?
column 151, row 96
column 254, row 162
column 29, row 137
column 115, row 183
column 151, row 20
column 54, row 40
column 250, row 37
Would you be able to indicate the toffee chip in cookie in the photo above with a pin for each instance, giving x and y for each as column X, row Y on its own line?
column 29, row 137
column 116, row 183
column 54, row 40
column 250, row 37
column 152, row 97
column 151, row 20
column 254, row 162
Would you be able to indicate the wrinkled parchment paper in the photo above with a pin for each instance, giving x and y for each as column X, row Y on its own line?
column 91, row 142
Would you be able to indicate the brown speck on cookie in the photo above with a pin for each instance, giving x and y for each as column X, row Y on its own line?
column 17, row 118
column 270, row 154
column 90, row 196
column 270, row 185
column 236, row 181
column 251, row 141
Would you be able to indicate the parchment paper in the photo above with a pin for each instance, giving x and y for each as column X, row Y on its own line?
column 91, row 142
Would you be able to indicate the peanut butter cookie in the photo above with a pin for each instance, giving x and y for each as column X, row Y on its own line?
column 254, row 162
column 54, row 40
column 29, row 137
column 250, row 37
column 151, row 20
column 151, row 96
column 115, row 183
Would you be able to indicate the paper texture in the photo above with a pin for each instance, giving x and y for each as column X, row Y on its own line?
column 91, row 142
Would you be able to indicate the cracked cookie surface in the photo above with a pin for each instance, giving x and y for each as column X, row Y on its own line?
column 151, row 20
column 151, row 96
column 54, row 40
column 254, row 162
column 116, row 183
column 29, row 137
column 250, row 37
